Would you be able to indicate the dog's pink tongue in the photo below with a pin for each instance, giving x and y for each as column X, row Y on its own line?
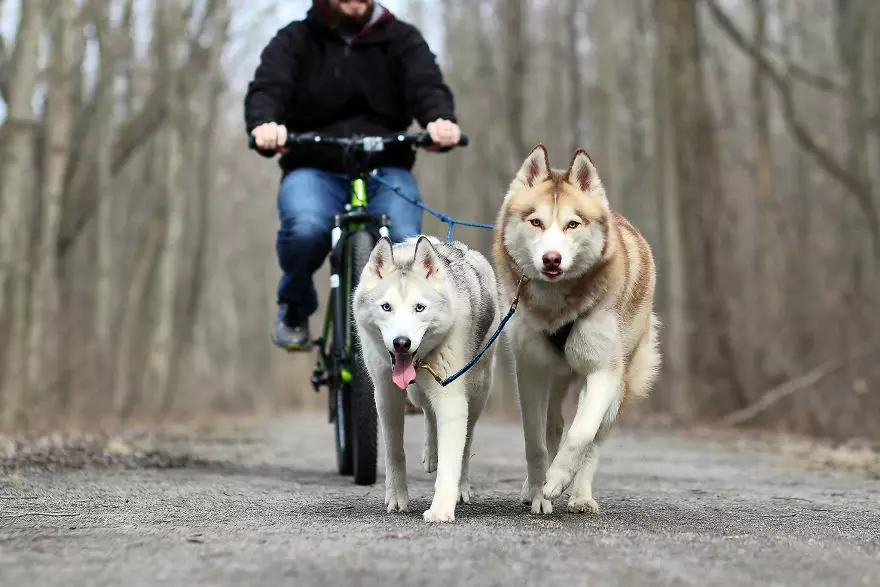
column 403, row 372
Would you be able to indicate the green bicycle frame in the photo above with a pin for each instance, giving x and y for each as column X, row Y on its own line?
column 358, row 200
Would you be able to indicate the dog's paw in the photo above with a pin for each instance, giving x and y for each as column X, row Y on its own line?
column 583, row 505
column 541, row 506
column 524, row 492
column 464, row 492
column 532, row 496
column 439, row 514
column 396, row 499
column 429, row 459
column 557, row 482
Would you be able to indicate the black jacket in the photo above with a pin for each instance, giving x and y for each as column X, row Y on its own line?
column 310, row 79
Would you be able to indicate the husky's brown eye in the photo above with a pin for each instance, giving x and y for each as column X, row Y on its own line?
column 573, row 224
column 535, row 222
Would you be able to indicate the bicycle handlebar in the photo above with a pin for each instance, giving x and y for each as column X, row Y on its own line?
column 368, row 144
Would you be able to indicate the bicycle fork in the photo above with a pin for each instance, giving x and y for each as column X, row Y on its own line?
column 340, row 290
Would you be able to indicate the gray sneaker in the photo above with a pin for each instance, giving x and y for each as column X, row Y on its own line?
column 290, row 337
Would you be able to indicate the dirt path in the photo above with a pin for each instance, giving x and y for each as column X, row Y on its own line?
column 267, row 509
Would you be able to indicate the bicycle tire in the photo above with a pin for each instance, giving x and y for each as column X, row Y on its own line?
column 339, row 393
column 363, row 414
column 342, row 429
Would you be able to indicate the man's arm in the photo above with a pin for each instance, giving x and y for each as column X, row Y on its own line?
column 270, row 92
column 427, row 95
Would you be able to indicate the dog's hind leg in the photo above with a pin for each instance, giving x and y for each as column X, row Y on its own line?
column 390, row 404
column 555, row 427
column 429, row 450
column 451, row 410
column 476, row 404
column 555, row 421
column 534, row 395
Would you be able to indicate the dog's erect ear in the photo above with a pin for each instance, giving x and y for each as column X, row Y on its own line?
column 535, row 168
column 382, row 257
column 426, row 258
column 582, row 172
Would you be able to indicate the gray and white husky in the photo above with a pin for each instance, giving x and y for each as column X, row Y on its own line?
column 437, row 303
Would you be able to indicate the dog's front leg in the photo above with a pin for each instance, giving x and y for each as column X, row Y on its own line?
column 596, row 404
column 593, row 351
column 582, row 501
column 390, row 404
column 534, row 395
column 451, row 412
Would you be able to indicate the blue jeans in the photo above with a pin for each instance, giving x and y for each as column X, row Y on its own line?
column 307, row 200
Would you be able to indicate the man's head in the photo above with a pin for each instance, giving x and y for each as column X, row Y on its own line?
column 350, row 15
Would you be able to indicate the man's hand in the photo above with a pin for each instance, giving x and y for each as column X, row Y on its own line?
column 444, row 133
column 270, row 137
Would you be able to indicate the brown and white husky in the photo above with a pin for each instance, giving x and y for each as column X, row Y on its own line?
column 585, row 319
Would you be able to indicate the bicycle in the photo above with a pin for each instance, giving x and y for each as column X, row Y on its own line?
column 339, row 367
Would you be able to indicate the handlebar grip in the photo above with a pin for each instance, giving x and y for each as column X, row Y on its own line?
column 424, row 140
column 252, row 143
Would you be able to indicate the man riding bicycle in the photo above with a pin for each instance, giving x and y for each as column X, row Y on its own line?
column 350, row 67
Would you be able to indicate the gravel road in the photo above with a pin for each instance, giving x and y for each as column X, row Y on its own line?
column 266, row 508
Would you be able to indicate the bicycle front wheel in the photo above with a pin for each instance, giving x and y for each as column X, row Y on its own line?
column 363, row 405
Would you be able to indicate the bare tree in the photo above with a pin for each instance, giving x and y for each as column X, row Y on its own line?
column 516, row 49
column 43, row 344
column 16, row 191
column 606, row 94
column 805, row 138
column 574, row 10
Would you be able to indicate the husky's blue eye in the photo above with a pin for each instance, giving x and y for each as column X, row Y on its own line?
column 386, row 306
column 420, row 307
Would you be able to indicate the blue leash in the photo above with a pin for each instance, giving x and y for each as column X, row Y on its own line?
column 442, row 217
column 460, row 372
column 445, row 218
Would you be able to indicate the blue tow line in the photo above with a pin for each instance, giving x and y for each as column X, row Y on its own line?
column 442, row 217
column 452, row 222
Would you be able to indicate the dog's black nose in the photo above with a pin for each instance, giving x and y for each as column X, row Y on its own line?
column 402, row 344
column 552, row 260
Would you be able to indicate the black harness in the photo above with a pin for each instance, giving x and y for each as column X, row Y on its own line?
column 560, row 337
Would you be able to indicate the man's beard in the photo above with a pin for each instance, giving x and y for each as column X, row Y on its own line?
column 352, row 24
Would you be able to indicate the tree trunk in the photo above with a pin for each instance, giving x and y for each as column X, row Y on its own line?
column 16, row 191
column 715, row 388
column 678, row 319
column 767, row 302
column 607, row 98
column 4, row 60
column 43, row 347
column 576, row 88
column 872, row 82
column 850, row 33
column 111, row 44
column 157, row 379
column 205, row 184
column 132, row 312
column 516, row 47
